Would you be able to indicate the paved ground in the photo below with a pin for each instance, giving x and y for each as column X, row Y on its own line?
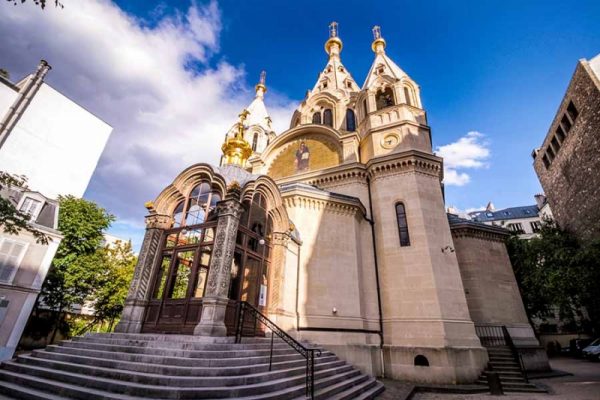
column 583, row 385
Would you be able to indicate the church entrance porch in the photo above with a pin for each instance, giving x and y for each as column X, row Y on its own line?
column 179, row 286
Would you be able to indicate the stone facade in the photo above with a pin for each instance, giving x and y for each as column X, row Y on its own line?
column 567, row 163
column 340, row 271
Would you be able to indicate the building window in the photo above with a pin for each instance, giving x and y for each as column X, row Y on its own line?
column 254, row 141
column 560, row 134
column 11, row 254
column 384, row 98
column 197, row 208
column 421, row 361
column 550, row 153
column 546, row 161
column 328, row 117
column 516, row 227
column 324, row 85
column 350, row 121
column 565, row 123
column 316, row 118
column 31, row 207
column 402, row 225
column 536, row 226
column 555, row 145
column 407, row 96
column 365, row 107
column 572, row 111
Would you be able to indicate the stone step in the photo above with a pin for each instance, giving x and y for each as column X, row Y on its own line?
column 162, row 380
column 25, row 393
column 189, row 345
column 154, row 391
column 178, row 338
column 372, row 393
column 149, row 367
column 178, row 361
column 234, row 353
column 347, row 390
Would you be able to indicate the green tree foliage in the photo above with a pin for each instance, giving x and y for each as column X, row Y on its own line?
column 78, row 265
column 109, row 296
column 40, row 3
column 12, row 220
column 556, row 270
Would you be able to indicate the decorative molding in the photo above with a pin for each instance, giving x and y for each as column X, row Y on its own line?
column 159, row 221
column 331, row 206
column 478, row 231
column 138, row 290
column 405, row 162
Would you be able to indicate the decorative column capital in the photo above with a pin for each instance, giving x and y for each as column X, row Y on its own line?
column 158, row 221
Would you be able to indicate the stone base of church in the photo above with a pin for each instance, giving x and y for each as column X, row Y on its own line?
column 132, row 317
column 447, row 365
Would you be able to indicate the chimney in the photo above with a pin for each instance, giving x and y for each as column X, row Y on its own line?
column 540, row 200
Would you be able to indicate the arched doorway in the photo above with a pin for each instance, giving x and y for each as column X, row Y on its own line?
column 175, row 305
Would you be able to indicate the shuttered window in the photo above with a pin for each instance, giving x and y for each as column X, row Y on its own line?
column 11, row 254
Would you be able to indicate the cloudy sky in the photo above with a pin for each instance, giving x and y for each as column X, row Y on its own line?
column 171, row 77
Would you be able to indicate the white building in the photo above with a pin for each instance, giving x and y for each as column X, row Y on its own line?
column 47, row 137
column 56, row 144
column 526, row 221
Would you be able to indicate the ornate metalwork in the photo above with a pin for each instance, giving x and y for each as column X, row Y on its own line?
column 307, row 353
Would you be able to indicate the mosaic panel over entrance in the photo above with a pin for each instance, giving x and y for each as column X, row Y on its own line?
column 303, row 155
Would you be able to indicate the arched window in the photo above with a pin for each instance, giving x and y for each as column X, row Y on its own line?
column 197, row 208
column 350, row 120
column 402, row 225
column 407, row 96
column 316, row 118
column 385, row 98
column 365, row 111
column 254, row 141
column 421, row 361
column 328, row 117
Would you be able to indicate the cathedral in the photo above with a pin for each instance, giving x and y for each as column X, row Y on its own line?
column 336, row 230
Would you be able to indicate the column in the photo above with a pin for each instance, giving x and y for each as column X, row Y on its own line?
column 134, row 310
column 214, row 303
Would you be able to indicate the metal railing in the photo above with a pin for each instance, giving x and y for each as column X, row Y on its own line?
column 246, row 308
column 498, row 335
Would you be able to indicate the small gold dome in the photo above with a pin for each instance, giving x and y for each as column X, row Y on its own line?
column 236, row 150
column 331, row 41
column 377, row 42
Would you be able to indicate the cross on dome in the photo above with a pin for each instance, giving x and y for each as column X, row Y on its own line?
column 376, row 32
column 333, row 29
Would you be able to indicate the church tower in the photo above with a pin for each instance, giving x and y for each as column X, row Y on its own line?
column 424, row 308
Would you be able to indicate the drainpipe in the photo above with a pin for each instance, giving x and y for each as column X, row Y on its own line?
column 375, row 259
column 23, row 99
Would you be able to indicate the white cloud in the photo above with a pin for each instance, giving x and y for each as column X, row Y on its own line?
column 469, row 152
column 137, row 77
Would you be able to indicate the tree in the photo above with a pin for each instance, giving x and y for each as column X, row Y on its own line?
column 77, row 266
column 109, row 297
column 555, row 270
column 12, row 220
column 41, row 3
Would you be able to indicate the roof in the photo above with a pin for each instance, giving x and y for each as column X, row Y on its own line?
column 505, row 214
column 47, row 216
column 390, row 68
column 457, row 222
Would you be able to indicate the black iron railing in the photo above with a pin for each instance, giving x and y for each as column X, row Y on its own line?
column 498, row 335
column 246, row 310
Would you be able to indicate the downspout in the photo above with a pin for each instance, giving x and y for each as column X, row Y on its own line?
column 375, row 259
column 23, row 99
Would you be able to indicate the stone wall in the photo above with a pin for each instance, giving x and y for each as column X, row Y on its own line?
column 572, row 181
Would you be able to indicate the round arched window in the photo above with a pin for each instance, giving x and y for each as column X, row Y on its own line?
column 198, row 207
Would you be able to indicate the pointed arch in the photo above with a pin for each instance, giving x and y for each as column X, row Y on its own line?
column 316, row 118
column 254, row 141
column 350, row 120
column 384, row 98
column 328, row 117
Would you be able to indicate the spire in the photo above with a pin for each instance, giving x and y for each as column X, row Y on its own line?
column 378, row 44
column 236, row 150
column 260, row 87
column 334, row 44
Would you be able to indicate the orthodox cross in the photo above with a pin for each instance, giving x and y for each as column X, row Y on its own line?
column 263, row 78
column 242, row 116
column 376, row 32
column 333, row 29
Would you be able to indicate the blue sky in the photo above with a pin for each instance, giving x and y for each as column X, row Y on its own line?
column 495, row 67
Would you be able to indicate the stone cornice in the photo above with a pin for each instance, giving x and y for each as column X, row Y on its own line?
column 337, row 173
column 478, row 231
column 329, row 202
column 406, row 161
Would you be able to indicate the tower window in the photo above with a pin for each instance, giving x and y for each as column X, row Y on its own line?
column 328, row 117
column 316, row 118
column 365, row 107
column 324, row 85
column 254, row 141
column 385, row 98
column 350, row 120
column 546, row 161
column 560, row 134
column 402, row 225
column 407, row 96
column 572, row 111
column 566, row 123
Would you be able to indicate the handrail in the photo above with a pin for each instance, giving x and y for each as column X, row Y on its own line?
column 307, row 353
column 515, row 352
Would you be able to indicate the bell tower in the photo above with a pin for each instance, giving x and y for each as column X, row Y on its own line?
column 391, row 115
column 424, row 307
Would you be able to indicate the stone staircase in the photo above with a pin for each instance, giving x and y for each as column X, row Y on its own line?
column 503, row 362
column 139, row 366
